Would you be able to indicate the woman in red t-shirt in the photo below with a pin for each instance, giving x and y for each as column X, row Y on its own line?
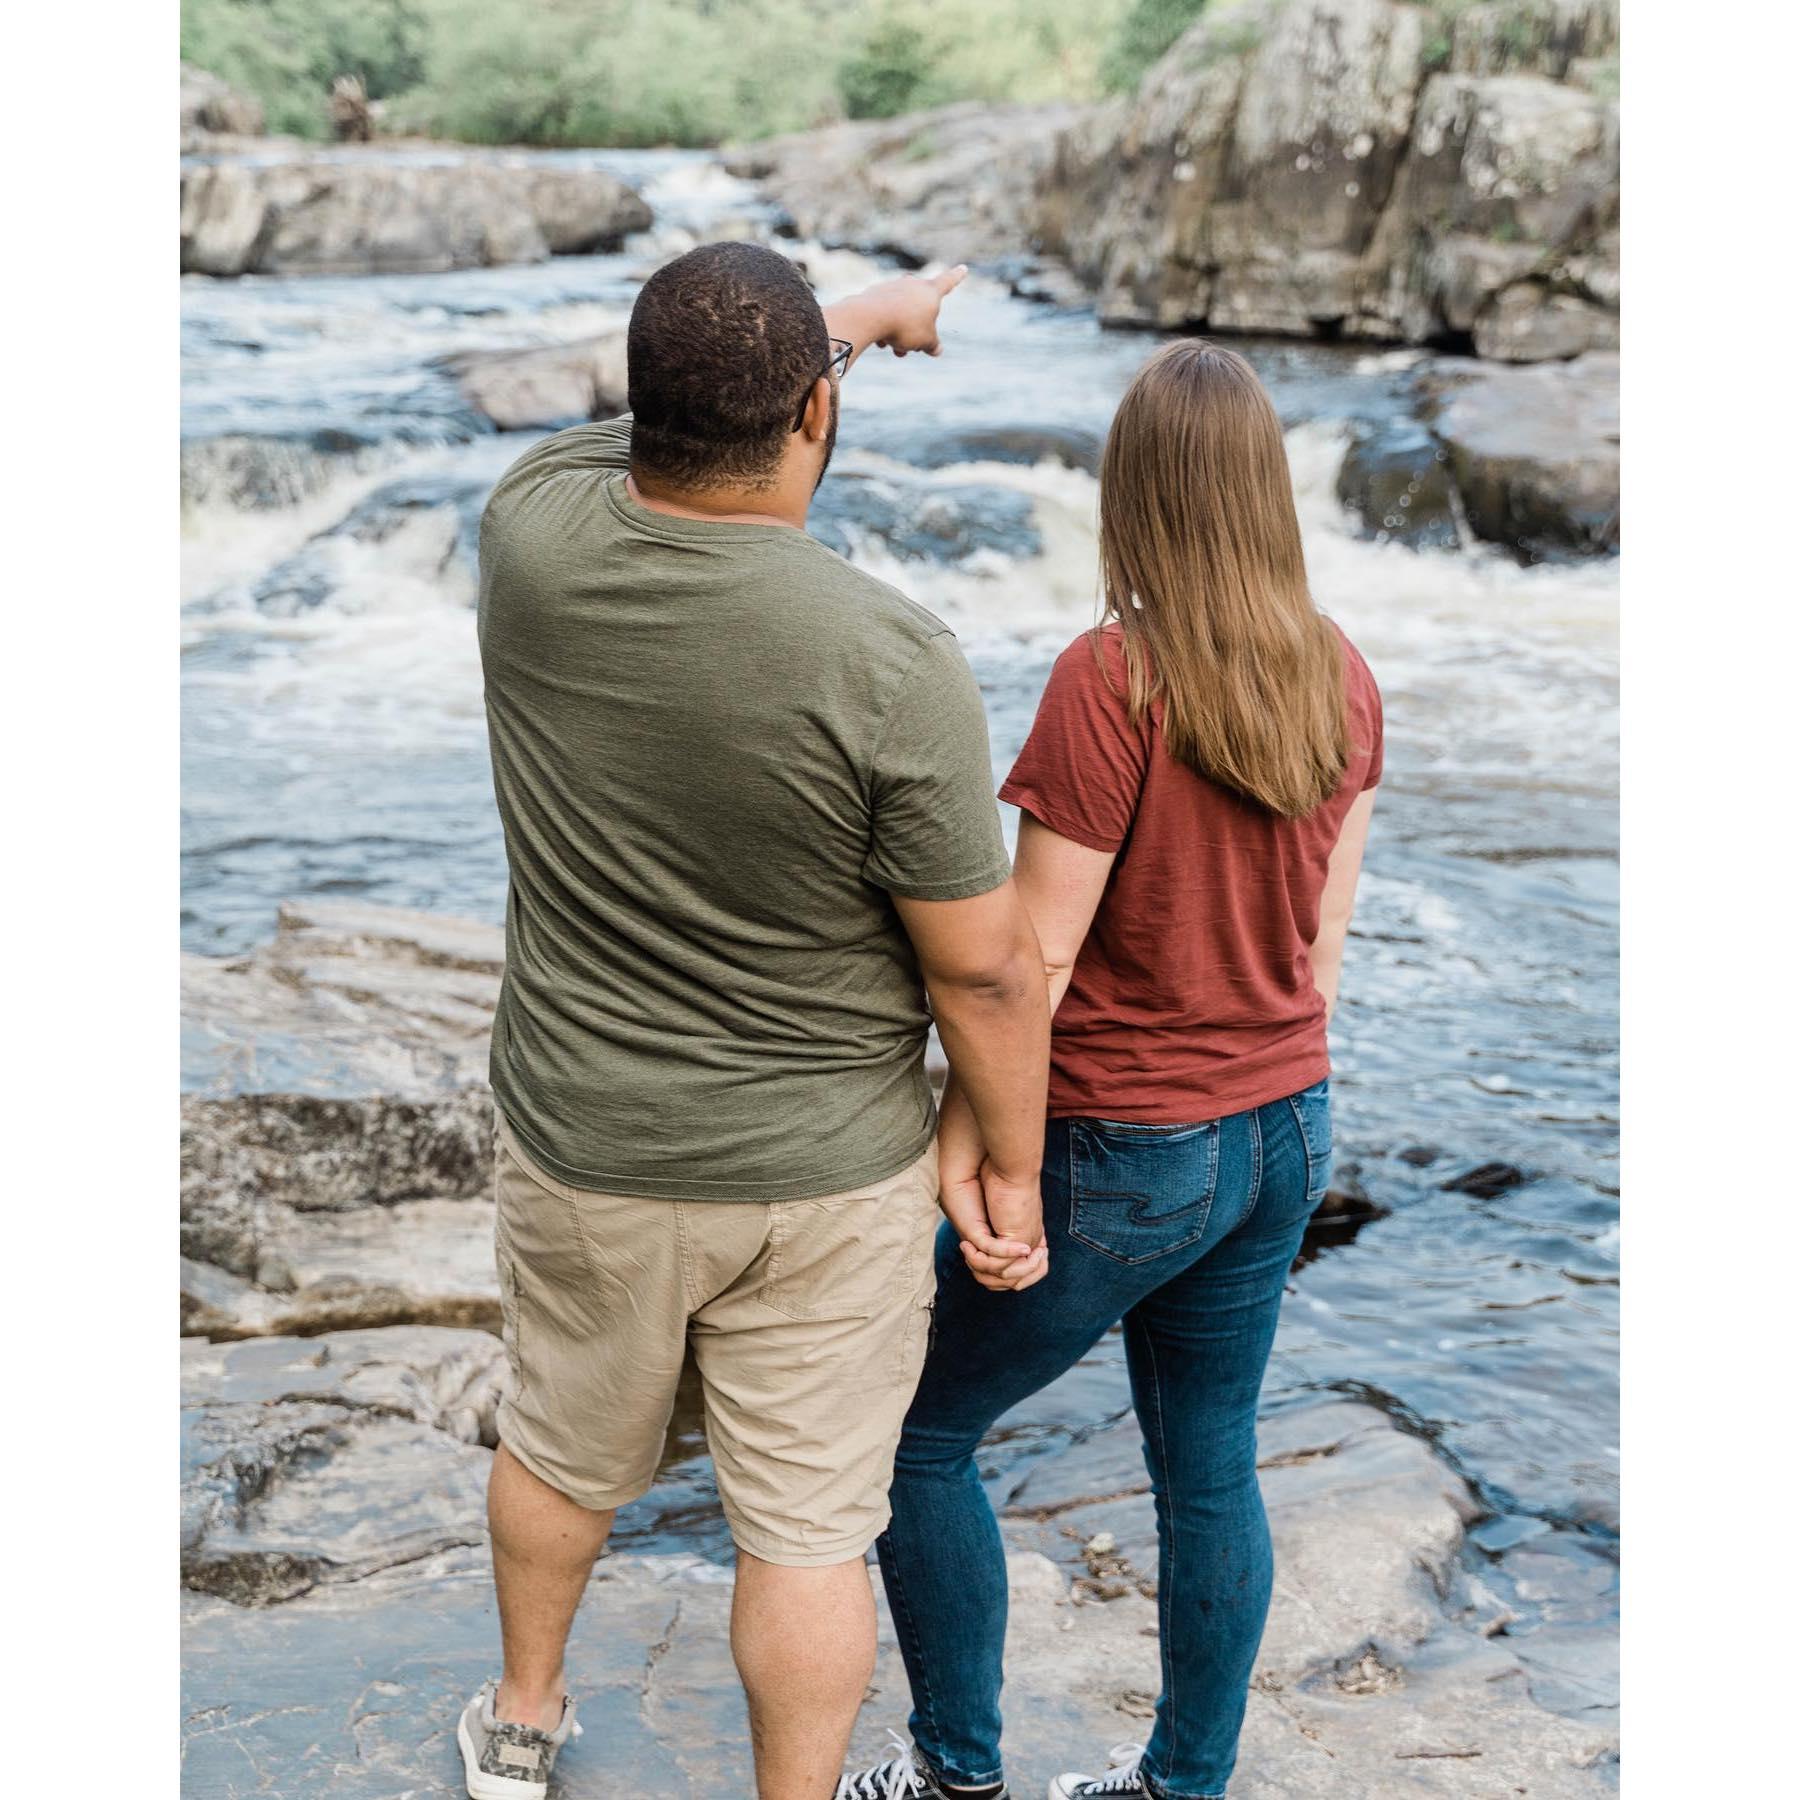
column 1196, row 793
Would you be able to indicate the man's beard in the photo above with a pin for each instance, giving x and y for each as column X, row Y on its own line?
column 830, row 441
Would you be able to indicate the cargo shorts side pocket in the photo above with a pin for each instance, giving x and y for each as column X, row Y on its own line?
column 538, row 1249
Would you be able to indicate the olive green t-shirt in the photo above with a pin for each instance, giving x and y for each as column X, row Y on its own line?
column 719, row 751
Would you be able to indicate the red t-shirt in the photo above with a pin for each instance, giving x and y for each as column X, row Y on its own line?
column 1193, row 996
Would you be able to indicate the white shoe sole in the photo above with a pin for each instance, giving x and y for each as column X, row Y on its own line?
column 1065, row 1785
column 483, row 1786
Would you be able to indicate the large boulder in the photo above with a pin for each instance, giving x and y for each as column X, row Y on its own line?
column 356, row 213
column 952, row 185
column 1396, row 479
column 1535, row 451
column 1307, row 166
column 1243, row 183
column 1503, row 224
column 212, row 108
column 545, row 386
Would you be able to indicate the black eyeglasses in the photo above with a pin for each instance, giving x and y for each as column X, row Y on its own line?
column 841, row 354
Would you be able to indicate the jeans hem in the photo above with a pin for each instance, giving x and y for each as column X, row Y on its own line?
column 1158, row 1791
column 954, row 1777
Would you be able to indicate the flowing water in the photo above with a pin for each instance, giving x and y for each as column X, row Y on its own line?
column 334, row 744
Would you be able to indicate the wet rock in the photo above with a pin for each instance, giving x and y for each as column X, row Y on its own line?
column 353, row 212
column 346, row 999
column 1313, row 168
column 351, row 1688
column 953, row 185
column 1535, row 451
column 211, row 107
column 323, row 1460
column 1486, row 1182
column 1396, row 480
column 940, row 447
column 267, row 473
column 915, row 522
column 1042, row 278
column 251, row 1160
column 415, row 1262
column 580, row 212
column 548, row 387
column 341, row 1067
column 437, row 515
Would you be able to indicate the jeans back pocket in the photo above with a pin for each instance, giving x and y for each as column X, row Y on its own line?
column 1312, row 1116
column 1141, row 1191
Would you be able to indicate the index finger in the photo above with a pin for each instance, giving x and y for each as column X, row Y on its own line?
column 949, row 278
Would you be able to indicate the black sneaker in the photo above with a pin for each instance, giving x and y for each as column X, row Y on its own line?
column 1122, row 1779
column 903, row 1776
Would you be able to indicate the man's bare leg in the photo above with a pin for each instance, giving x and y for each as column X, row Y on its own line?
column 804, row 1641
column 544, row 1550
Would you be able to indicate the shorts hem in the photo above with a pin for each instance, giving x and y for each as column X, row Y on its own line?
column 786, row 1557
column 594, row 1497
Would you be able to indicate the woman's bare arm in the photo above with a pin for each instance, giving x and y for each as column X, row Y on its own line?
column 1061, row 883
column 1339, row 899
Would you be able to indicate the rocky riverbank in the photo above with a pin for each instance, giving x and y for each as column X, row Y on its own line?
column 356, row 210
column 1375, row 169
column 340, row 1374
column 338, row 1611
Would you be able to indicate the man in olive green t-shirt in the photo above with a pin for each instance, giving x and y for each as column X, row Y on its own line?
column 754, row 852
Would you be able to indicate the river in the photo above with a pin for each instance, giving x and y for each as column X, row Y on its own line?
column 334, row 744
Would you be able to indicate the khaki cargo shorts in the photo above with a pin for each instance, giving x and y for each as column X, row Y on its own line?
column 808, row 1320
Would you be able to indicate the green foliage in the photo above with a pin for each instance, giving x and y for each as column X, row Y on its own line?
column 1229, row 38
column 1148, row 28
column 640, row 72
column 286, row 52
column 1602, row 78
column 887, row 71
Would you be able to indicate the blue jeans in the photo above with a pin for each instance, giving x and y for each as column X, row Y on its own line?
column 1186, row 1233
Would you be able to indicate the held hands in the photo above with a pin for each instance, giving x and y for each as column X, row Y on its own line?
column 1000, row 1221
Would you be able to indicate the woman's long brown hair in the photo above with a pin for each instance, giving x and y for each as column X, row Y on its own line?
column 1202, row 567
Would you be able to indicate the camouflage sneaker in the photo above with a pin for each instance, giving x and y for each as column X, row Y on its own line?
column 503, row 1761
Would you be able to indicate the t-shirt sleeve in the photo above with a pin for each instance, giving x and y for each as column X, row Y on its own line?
column 1082, row 768
column 1366, row 702
column 605, row 445
column 936, row 829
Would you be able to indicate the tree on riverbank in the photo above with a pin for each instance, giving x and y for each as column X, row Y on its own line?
column 639, row 72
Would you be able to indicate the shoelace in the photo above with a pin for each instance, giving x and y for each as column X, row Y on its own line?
column 896, row 1779
column 1124, row 1779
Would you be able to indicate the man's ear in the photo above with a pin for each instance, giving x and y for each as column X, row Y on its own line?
column 818, row 410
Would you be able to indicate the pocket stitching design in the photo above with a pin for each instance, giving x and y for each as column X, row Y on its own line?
column 1202, row 1207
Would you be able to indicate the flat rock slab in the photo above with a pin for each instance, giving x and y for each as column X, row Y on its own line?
column 340, row 1611
column 416, row 1262
column 347, row 999
column 353, row 1692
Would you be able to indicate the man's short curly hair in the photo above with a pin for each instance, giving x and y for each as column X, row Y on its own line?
column 723, row 344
